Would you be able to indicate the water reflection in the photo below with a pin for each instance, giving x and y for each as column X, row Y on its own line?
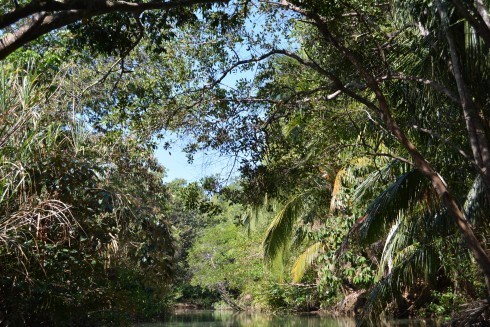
column 222, row 318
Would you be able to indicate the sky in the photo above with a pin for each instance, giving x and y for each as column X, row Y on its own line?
column 205, row 164
column 210, row 163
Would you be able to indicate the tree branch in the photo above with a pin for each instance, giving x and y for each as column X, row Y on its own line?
column 51, row 15
column 95, row 7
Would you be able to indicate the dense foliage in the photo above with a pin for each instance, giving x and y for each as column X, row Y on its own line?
column 83, row 230
column 360, row 130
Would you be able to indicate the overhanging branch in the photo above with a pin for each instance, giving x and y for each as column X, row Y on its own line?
column 43, row 17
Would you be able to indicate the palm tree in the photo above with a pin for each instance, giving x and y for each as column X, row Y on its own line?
column 448, row 40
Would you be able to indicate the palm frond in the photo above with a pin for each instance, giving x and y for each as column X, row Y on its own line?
column 403, row 194
column 419, row 227
column 476, row 207
column 373, row 180
column 34, row 217
column 253, row 215
column 306, row 260
column 337, row 186
column 281, row 228
column 416, row 263
column 388, row 249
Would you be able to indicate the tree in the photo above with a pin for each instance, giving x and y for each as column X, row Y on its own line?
column 408, row 75
column 224, row 258
column 355, row 49
column 28, row 20
column 83, row 225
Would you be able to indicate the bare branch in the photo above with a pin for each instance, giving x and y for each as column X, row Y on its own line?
column 94, row 7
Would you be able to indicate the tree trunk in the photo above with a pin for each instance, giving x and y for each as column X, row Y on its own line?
column 441, row 188
column 382, row 108
column 225, row 296
column 420, row 162
column 477, row 135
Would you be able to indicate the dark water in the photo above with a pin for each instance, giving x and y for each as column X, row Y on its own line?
column 231, row 319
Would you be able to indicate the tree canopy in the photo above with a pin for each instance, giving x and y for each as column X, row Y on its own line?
column 360, row 129
column 100, row 20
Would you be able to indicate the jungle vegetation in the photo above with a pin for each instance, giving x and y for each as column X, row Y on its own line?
column 359, row 128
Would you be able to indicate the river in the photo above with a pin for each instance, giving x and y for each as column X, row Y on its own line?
column 222, row 318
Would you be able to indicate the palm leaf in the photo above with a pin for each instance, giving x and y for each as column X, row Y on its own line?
column 305, row 261
column 413, row 228
column 403, row 194
column 374, row 179
column 388, row 249
column 415, row 263
column 336, row 189
column 476, row 207
column 281, row 228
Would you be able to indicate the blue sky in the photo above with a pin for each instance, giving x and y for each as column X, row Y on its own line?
column 211, row 163
column 205, row 164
